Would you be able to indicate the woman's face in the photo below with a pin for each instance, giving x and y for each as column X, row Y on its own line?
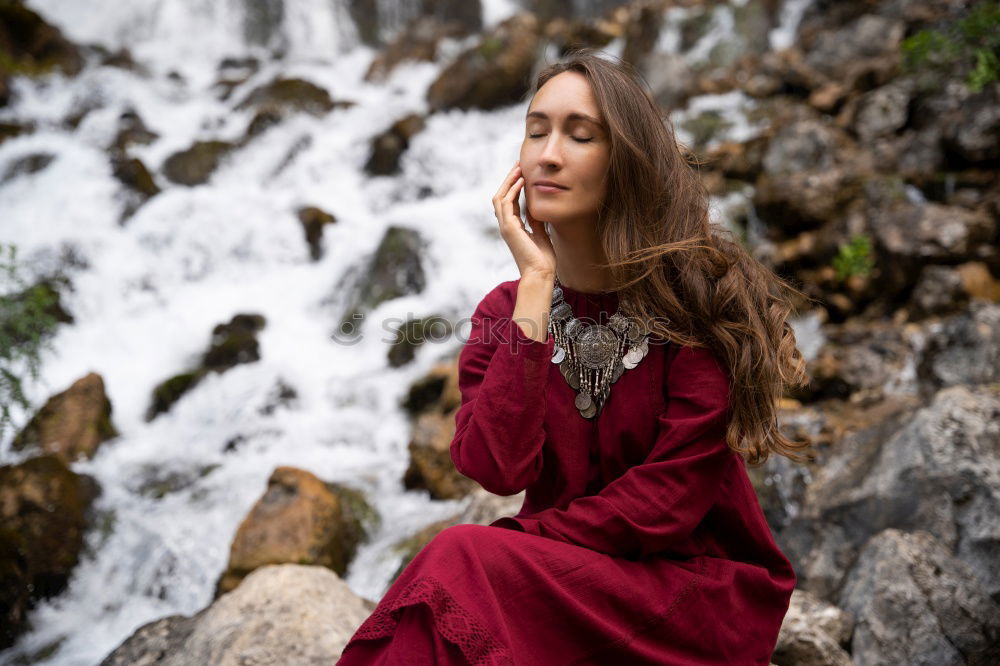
column 565, row 141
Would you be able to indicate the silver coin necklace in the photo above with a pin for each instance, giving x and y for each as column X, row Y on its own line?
column 593, row 357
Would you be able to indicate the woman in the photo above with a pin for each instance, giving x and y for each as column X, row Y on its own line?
column 641, row 540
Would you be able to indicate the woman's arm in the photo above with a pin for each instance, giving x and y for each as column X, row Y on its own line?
column 656, row 504
column 502, row 378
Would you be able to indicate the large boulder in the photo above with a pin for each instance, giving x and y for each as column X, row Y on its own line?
column 30, row 46
column 915, row 603
column 813, row 633
column 72, row 424
column 281, row 614
column 299, row 519
column 43, row 516
column 938, row 472
column 494, row 73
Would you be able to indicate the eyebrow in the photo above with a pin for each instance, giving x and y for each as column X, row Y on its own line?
column 576, row 115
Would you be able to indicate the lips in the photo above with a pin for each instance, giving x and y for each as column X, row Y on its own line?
column 550, row 183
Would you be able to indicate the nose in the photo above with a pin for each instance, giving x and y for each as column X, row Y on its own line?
column 551, row 152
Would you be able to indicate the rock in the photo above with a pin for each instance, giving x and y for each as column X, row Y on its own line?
column 863, row 53
column 883, row 111
column 564, row 34
column 234, row 343
column 812, row 633
column 917, row 604
column 412, row 335
column 938, row 291
column 9, row 130
column 971, row 132
column 31, row 46
column 132, row 130
column 930, row 231
column 71, row 424
column 139, row 184
column 436, row 391
column 313, row 220
column 166, row 393
column 394, row 271
column 431, row 466
column 418, row 41
column 26, row 165
column 43, row 516
column 937, row 470
column 483, row 508
column 195, row 165
column 281, row 614
column 492, row 74
column 285, row 95
column 390, row 145
column 299, row 519
column 965, row 349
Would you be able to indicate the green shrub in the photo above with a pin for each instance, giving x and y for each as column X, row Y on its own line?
column 854, row 258
column 26, row 324
column 971, row 43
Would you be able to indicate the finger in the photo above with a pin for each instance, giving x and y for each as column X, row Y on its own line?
column 514, row 172
column 510, row 200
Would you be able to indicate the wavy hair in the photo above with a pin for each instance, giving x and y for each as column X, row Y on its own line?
column 692, row 283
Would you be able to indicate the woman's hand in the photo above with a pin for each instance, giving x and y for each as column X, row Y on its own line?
column 533, row 252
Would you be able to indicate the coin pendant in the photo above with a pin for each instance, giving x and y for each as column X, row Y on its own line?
column 558, row 355
column 589, row 411
column 583, row 401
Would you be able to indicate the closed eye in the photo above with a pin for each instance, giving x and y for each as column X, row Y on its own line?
column 579, row 140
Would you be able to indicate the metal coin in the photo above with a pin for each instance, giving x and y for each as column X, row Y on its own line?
column 573, row 379
column 561, row 312
column 618, row 322
column 596, row 345
column 557, row 294
column 589, row 411
column 558, row 355
column 573, row 327
column 583, row 401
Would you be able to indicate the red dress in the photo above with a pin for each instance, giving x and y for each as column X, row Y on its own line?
column 640, row 540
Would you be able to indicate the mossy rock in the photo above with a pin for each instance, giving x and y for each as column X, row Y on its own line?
column 29, row 46
column 313, row 220
column 42, row 521
column 394, row 271
column 133, row 174
column 234, row 343
column 358, row 517
column 195, row 165
column 414, row 543
column 170, row 391
column 289, row 95
column 412, row 335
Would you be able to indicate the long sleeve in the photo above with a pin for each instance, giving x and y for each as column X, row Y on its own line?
column 502, row 378
column 658, row 503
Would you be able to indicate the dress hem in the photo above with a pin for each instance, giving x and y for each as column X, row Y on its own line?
column 455, row 623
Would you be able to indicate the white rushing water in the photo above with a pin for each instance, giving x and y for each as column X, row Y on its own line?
column 151, row 291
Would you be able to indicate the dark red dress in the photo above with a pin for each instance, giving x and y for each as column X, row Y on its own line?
column 640, row 540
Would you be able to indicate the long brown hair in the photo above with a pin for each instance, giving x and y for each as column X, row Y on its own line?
column 687, row 278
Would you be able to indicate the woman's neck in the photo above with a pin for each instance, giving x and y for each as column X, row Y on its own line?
column 578, row 258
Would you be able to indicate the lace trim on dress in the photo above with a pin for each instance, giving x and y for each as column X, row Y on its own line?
column 456, row 624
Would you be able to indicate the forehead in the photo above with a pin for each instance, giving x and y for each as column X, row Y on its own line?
column 565, row 96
